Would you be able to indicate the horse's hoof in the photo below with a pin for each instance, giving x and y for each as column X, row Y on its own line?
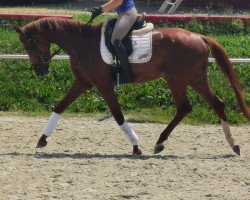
column 136, row 150
column 236, row 149
column 42, row 142
column 158, row 148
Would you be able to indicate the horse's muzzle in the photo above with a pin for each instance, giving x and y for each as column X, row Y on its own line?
column 41, row 69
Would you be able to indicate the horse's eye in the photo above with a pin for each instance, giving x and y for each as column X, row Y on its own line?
column 31, row 43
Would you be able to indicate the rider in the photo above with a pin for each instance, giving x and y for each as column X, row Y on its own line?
column 127, row 15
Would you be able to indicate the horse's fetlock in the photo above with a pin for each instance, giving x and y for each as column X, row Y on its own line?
column 58, row 110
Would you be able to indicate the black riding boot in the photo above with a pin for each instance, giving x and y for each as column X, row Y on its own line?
column 125, row 75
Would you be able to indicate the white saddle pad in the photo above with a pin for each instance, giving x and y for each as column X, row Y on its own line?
column 142, row 48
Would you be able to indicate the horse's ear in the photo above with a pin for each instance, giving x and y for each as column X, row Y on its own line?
column 18, row 30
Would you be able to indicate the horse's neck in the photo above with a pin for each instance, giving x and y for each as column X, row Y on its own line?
column 67, row 41
column 62, row 40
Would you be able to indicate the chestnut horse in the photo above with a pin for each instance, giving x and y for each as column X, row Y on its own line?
column 179, row 56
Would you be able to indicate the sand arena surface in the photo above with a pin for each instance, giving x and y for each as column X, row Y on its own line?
column 87, row 159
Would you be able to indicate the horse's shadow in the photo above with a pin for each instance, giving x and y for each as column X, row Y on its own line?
column 63, row 155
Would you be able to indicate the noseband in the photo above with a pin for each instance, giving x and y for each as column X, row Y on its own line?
column 43, row 59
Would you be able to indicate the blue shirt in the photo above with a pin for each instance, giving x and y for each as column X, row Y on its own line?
column 126, row 5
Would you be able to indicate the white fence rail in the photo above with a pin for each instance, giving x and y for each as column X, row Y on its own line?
column 25, row 57
column 66, row 57
column 233, row 60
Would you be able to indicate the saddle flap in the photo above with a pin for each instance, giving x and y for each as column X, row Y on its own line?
column 139, row 27
column 141, row 44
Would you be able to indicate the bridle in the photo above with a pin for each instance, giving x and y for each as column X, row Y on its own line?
column 43, row 59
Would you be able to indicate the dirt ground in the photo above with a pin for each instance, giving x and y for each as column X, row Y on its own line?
column 87, row 159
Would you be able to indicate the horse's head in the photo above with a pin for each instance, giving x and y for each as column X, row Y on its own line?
column 38, row 50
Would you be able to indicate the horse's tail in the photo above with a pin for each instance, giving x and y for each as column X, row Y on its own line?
column 226, row 66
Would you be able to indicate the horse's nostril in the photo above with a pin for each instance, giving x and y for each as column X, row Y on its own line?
column 46, row 60
column 41, row 70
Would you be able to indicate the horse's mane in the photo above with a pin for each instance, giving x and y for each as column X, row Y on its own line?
column 60, row 24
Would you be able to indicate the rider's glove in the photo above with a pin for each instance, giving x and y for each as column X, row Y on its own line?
column 95, row 12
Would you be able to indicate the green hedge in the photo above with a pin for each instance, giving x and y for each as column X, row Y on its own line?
column 20, row 89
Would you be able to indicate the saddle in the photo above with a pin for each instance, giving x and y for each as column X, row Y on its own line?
column 138, row 44
column 127, row 40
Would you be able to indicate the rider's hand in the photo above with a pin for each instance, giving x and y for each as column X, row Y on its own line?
column 95, row 12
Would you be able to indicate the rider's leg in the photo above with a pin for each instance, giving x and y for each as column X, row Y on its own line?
column 123, row 24
column 125, row 68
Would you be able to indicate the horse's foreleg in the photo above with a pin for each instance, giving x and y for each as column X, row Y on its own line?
column 111, row 99
column 77, row 88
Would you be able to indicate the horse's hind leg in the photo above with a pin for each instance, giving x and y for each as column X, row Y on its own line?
column 200, row 85
column 78, row 87
column 183, row 107
column 111, row 99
